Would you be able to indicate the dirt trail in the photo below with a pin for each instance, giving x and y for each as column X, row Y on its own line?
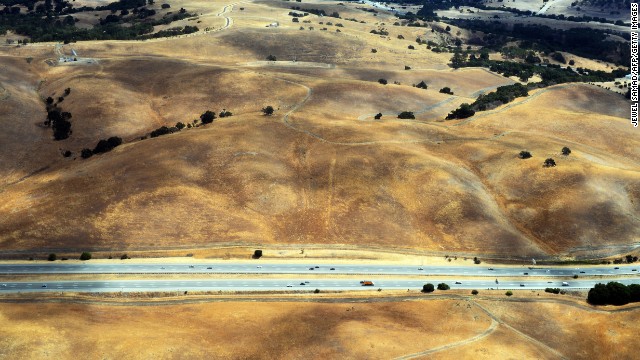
column 494, row 325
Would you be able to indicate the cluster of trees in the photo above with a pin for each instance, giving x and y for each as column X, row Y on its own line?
column 318, row 12
column 614, row 293
column 462, row 112
column 586, row 42
column 502, row 95
column 102, row 147
column 554, row 291
column 629, row 259
column 52, row 21
column 58, row 119
column 428, row 288
column 174, row 31
column 206, row 118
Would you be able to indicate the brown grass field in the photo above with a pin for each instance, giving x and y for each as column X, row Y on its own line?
column 459, row 327
column 320, row 171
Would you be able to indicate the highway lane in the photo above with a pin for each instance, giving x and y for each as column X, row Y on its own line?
column 258, row 267
column 286, row 284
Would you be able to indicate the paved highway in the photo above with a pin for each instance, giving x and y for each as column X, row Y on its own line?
column 126, row 267
column 283, row 284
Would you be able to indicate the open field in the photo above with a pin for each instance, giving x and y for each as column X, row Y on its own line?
column 321, row 170
column 441, row 328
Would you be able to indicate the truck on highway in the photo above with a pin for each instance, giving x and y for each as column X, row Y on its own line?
column 564, row 283
column 366, row 283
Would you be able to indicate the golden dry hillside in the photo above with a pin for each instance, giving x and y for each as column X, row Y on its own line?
column 458, row 327
column 319, row 171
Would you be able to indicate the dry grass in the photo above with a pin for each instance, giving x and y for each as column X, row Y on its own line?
column 574, row 332
column 236, row 330
column 331, row 329
column 330, row 175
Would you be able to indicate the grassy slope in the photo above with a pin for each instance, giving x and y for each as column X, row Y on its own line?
column 329, row 174
column 283, row 330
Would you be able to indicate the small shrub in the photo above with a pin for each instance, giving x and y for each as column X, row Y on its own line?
column 316, row 291
column 411, row 47
column 476, row 261
column 427, row 288
column 446, row 90
column 378, row 116
column 422, row 85
column 257, row 254
column 524, row 154
column 124, row 257
column 180, row 125
column 508, row 293
column 549, row 162
column 268, row 110
column 372, row 50
column 443, row 286
column 85, row 256
column 406, row 115
column 474, row 292
column 382, row 81
column 566, row 151
column 407, row 67
column 207, row 117
column 52, row 257
column 271, row 58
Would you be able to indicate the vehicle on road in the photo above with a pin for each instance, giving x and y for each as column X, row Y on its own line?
column 366, row 283
column 4, row 285
column 526, row 273
column 420, row 268
column 458, row 283
column 306, row 282
column 209, row 268
column 302, row 283
column 522, row 285
column 332, row 269
column 490, row 268
column 191, row 266
column 44, row 285
column 311, row 268
column 616, row 268
column 289, row 285
column 259, row 267
column 317, row 267
column 564, row 283
column 634, row 269
column 162, row 268
column 582, row 272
